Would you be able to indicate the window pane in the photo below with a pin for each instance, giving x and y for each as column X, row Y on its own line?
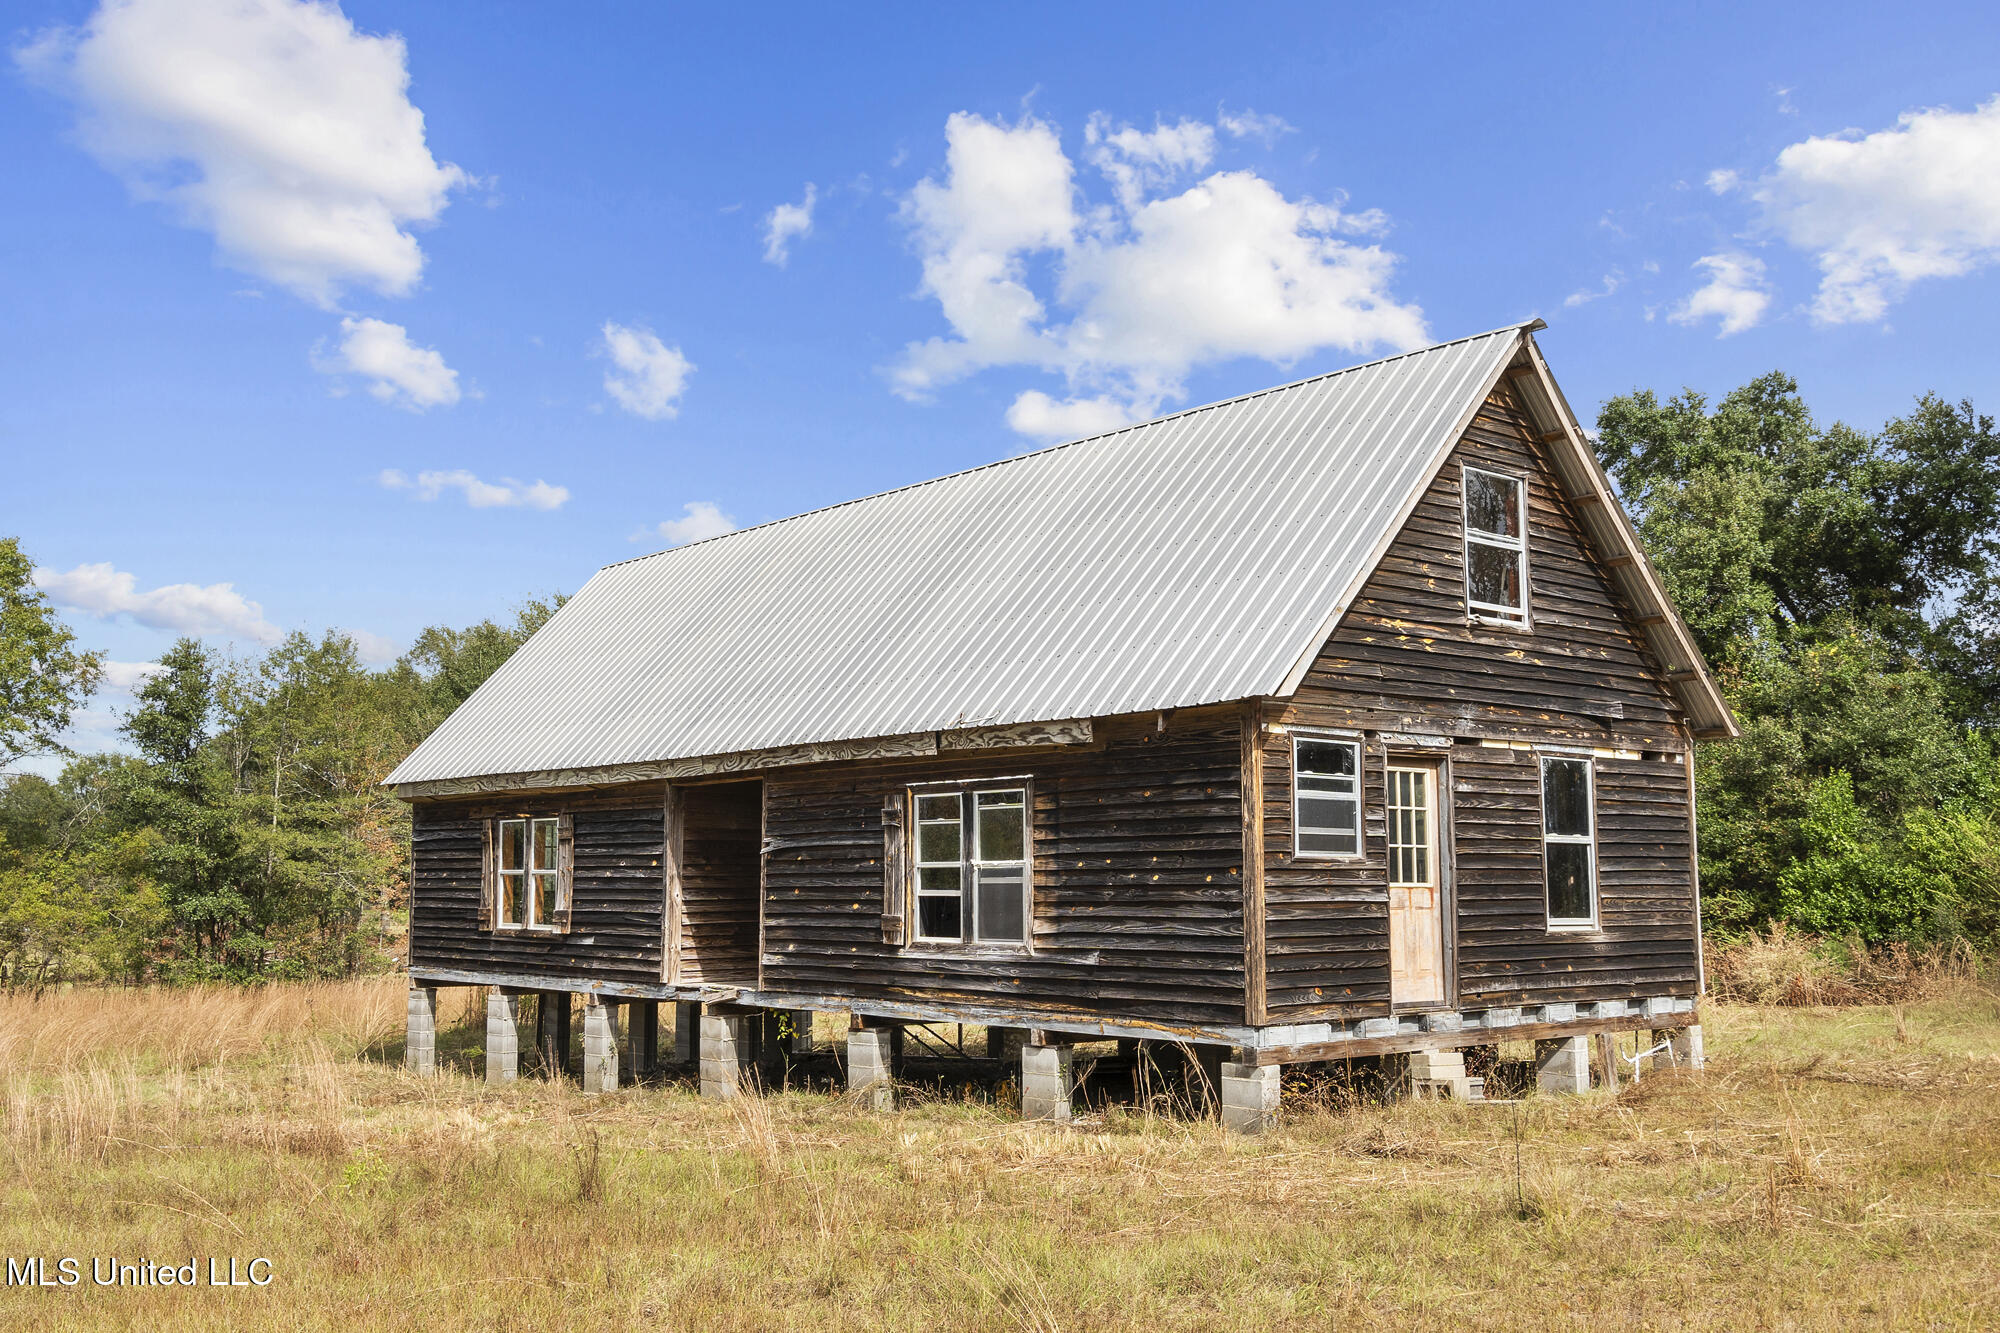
column 1569, row 881
column 1493, row 575
column 1327, row 825
column 937, row 918
column 937, row 842
column 513, row 843
column 513, row 899
column 1327, row 758
column 1002, row 826
column 938, row 807
column 938, row 879
column 1566, row 797
column 1492, row 504
column 545, row 844
column 1001, row 914
column 545, row 898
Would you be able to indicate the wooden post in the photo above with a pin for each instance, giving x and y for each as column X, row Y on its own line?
column 1251, row 722
column 552, row 1032
column 1607, row 1056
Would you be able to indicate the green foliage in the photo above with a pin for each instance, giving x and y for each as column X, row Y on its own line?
column 43, row 679
column 1843, row 585
column 248, row 836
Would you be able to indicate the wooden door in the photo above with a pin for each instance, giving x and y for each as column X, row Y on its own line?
column 1416, row 886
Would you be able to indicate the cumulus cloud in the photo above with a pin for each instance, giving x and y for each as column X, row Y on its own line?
column 1880, row 211
column 273, row 125
column 787, row 223
column 396, row 369
column 1167, row 276
column 647, row 377
column 1735, row 294
column 699, row 520
column 106, row 592
column 506, row 493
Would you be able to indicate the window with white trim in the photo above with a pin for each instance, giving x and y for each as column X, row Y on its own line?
column 1326, row 797
column 1569, row 843
column 1496, row 546
column 972, row 866
column 530, row 893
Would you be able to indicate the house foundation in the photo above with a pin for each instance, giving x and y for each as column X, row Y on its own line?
column 503, row 1036
column 1046, row 1083
column 420, row 1039
column 600, row 1045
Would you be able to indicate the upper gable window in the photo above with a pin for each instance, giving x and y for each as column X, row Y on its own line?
column 1496, row 547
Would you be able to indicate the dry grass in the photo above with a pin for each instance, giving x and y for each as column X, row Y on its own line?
column 1781, row 967
column 1834, row 1168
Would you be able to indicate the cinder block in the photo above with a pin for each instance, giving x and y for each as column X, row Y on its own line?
column 1375, row 1027
column 1250, row 1097
column 1445, row 1020
column 1686, row 1048
column 600, row 1045
column 420, row 1041
column 687, row 1032
column 802, row 1032
column 1558, row 1013
column 1657, row 1005
column 1563, row 1067
column 870, row 1062
column 726, row 1050
column 503, row 1037
column 1503, row 1018
column 1045, row 1082
column 1610, row 1009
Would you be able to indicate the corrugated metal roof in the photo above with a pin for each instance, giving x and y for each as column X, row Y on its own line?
column 1184, row 561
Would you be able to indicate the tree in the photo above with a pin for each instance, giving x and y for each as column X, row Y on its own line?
column 1843, row 585
column 43, row 679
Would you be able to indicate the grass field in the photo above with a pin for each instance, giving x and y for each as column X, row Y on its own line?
column 1834, row 1168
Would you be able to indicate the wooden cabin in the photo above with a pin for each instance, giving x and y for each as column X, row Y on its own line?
column 1343, row 719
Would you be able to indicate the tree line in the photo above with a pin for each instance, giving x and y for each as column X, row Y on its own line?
column 1844, row 585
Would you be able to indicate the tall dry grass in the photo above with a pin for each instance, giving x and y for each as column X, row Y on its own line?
column 1783, row 967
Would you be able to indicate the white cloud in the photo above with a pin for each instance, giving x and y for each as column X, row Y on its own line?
column 273, row 125
column 127, row 677
column 1041, row 417
column 1612, row 282
column 787, row 223
column 1248, row 124
column 373, row 649
column 1735, row 293
column 699, row 520
column 506, row 493
column 648, row 376
column 1722, row 180
column 104, row 591
column 1878, row 212
column 1153, row 283
column 398, row 371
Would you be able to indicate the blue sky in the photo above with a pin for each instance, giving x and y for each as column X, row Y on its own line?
column 378, row 316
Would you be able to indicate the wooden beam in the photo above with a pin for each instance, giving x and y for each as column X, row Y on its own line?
column 1618, row 562
column 1551, row 436
column 670, row 884
column 1360, row 1047
column 1255, row 991
column 1587, row 498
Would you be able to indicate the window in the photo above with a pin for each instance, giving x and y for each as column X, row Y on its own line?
column 1569, row 851
column 1496, row 548
column 1326, row 792
column 972, row 866
column 1409, row 811
column 530, row 892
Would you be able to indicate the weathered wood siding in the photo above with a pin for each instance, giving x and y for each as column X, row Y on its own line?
column 1138, row 904
column 719, row 871
column 616, row 920
column 1406, row 660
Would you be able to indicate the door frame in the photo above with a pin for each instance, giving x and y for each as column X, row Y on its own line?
column 1438, row 759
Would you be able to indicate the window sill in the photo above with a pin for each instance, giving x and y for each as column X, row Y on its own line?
column 1576, row 928
column 969, row 952
column 1499, row 622
column 527, row 930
